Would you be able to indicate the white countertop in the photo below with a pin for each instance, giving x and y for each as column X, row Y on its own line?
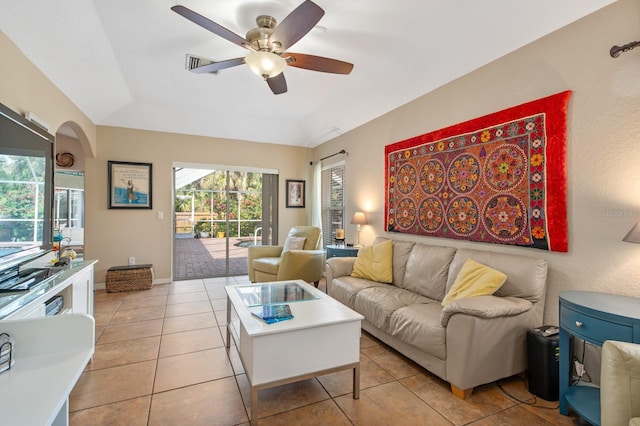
column 50, row 355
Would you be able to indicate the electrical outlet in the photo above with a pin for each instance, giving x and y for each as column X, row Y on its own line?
column 579, row 369
column 132, row 261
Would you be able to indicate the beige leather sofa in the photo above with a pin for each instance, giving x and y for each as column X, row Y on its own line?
column 272, row 263
column 620, row 384
column 468, row 343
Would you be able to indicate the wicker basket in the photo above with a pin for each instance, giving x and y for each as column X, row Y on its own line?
column 129, row 278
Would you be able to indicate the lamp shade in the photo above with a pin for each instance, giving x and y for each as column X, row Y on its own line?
column 633, row 236
column 359, row 219
column 265, row 64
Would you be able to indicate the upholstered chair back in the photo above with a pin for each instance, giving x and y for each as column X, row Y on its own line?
column 620, row 384
column 310, row 233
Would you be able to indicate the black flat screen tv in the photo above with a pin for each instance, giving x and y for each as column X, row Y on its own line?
column 26, row 189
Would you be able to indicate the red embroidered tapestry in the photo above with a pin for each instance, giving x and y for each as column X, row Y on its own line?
column 497, row 179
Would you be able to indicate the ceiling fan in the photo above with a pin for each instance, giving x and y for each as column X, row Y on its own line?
column 268, row 44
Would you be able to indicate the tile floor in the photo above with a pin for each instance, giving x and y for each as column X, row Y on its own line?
column 206, row 257
column 160, row 360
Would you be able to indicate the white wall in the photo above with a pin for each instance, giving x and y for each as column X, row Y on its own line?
column 603, row 139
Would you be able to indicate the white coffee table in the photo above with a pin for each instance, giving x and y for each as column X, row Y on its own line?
column 322, row 338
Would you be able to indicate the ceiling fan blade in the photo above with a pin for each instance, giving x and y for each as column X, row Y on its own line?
column 278, row 84
column 317, row 63
column 297, row 24
column 217, row 66
column 210, row 25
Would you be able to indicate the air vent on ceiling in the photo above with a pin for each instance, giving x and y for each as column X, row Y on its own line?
column 196, row 62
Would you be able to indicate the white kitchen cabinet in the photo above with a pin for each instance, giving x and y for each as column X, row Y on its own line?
column 74, row 284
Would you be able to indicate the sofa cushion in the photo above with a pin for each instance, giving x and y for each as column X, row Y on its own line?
column 474, row 279
column 526, row 276
column 378, row 303
column 401, row 252
column 486, row 307
column 344, row 289
column 426, row 271
column 420, row 326
column 375, row 263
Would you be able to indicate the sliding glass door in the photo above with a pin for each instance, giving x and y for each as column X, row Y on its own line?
column 218, row 214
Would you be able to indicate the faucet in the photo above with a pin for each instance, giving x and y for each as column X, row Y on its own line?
column 68, row 240
column 62, row 250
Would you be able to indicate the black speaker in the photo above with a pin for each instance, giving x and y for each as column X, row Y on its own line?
column 542, row 356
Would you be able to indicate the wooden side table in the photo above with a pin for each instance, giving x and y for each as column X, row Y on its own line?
column 594, row 318
column 342, row 251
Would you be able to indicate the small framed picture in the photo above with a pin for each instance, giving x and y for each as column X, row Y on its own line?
column 295, row 193
column 129, row 185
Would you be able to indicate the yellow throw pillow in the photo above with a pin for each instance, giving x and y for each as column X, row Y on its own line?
column 375, row 263
column 474, row 279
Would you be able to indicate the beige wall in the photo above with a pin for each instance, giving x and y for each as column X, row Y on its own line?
column 67, row 144
column 603, row 145
column 603, row 150
column 114, row 235
column 24, row 88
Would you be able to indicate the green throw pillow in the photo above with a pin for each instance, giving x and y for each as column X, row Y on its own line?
column 375, row 263
column 474, row 279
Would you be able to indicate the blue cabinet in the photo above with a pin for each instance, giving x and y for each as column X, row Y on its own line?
column 594, row 318
column 341, row 251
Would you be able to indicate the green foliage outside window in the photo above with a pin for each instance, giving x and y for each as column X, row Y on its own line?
column 21, row 197
column 242, row 204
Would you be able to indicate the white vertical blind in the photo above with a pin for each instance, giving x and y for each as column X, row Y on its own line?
column 333, row 196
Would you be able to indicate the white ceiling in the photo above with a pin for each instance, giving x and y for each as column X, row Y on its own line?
column 122, row 62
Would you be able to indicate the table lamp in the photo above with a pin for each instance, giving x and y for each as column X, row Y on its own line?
column 358, row 219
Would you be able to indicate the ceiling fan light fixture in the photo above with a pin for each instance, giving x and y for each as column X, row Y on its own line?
column 265, row 64
column 267, row 43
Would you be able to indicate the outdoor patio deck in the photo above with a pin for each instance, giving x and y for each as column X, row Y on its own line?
column 205, row 258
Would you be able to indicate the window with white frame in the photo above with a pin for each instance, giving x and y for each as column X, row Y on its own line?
column 333, row 197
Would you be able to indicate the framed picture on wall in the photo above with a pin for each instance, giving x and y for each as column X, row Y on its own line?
column 295, row 193
column 129, row 185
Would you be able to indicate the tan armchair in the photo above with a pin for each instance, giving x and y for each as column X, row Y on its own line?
column 272, row 263
column 620, row 384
